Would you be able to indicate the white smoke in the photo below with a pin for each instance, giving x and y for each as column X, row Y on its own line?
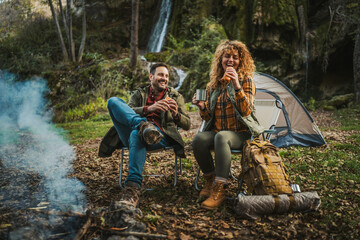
column 29, row 141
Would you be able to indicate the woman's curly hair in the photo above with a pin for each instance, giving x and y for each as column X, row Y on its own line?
column 246, row 65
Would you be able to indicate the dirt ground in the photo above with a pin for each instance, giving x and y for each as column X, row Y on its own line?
column 175, row 211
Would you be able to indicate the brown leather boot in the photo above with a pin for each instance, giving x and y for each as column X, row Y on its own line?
column 130, row 194
column 217, row 196
column 149, row 133
column 209, row 182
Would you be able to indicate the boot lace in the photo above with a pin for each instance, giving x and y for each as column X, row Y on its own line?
column 218, row 191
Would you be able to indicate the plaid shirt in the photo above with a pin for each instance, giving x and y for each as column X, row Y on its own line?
column 224, row 114
column 154, row 116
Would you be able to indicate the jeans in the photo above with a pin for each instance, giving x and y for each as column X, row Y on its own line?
column 127, row 122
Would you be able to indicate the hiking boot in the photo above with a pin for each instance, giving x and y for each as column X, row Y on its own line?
column 217, row 196
column 130, row 196
column 209, row 182
column 149, row 133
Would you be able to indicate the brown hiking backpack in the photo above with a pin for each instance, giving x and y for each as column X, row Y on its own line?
column 262, row 169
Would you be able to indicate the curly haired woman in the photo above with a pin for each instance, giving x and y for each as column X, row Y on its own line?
column 228, row 115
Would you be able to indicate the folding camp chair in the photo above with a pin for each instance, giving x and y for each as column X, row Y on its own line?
column 267, row 113
column 152, row 175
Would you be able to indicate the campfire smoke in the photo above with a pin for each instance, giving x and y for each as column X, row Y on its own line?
column 30, row 143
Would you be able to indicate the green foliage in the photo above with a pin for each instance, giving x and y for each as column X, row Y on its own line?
column 84, row 111
column 31, row 49
column 157, row 57
column 196, row 55
column 310, row 105
column 96, row 78
column 190, row 107
column 279, row 12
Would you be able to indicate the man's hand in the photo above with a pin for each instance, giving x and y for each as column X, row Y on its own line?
column 173, row 107
column 160, row 106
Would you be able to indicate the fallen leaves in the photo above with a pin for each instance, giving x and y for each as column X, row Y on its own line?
column 174, row 211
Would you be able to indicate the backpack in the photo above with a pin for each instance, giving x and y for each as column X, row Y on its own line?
column 262, row 169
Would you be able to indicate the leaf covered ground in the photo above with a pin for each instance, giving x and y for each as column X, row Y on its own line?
column 332, row 170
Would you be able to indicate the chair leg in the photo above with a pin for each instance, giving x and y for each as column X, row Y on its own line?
column 175, row 178
column 197, row 180
column 232, row 175
column 180, row 165
column 240, row 186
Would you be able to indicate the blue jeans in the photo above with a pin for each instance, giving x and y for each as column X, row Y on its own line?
column 126, row 122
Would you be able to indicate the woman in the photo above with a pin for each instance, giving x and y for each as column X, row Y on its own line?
column 227, row 112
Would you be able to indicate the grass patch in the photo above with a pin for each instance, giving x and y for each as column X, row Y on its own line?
column 334, row 172
column 349, row 118
column 79, row 131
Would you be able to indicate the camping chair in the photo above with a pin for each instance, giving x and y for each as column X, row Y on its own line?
column 267, row 113
column 151, row 175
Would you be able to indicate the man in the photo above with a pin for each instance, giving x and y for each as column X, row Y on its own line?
column 150, row 121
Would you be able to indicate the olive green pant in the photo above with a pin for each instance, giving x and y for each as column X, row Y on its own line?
column 222, row 143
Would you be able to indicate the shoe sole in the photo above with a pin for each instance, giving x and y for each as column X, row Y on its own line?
column 153, row 137
column 210, row 208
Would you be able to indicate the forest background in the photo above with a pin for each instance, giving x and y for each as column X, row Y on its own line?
column 310, row 46
column 88, row 56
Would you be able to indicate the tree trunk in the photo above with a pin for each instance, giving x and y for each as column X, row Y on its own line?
column 83, row 38
column 62, row 44
column 134, row 33
column 70, row 36
column 63, row 18
column 356, row 61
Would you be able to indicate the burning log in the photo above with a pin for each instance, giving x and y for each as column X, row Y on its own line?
column 83, row 230
column 63, row 214
column 138, row 234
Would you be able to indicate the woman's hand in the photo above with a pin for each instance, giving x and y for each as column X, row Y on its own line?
column 232, row 74
column 200, row 104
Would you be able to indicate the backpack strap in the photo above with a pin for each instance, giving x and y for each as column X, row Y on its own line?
column 292, row 201
column 277, row 203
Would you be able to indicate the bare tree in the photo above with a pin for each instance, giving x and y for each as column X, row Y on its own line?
column 63, row 17
column 83, row 38
column 62, row 44
column 134, row 33
column 67, row 20
column 70, row 35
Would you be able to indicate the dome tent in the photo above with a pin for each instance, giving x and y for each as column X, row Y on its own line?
column 294, row 125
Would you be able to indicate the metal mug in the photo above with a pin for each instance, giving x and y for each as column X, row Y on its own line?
column 200, row 95
column 295, row 188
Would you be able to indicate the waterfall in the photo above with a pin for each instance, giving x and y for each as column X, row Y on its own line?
column 158, row 34
column 182, row 75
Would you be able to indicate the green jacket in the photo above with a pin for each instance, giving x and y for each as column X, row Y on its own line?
column 250, row 121
column 137, row 102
